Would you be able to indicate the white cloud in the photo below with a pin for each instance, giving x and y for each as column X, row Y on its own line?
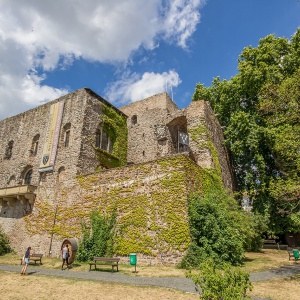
column 134, row 87
column 46, row 35
column 181, row 19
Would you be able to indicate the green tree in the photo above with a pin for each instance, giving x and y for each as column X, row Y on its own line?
column 259, row 109
column 219, row 228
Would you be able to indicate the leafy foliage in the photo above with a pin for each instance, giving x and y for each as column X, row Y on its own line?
column 260, row 111
column 216, row 225
column 221, row 281
column 254, row 226
column 4, row 243
column 115, row 127
column 98, row 239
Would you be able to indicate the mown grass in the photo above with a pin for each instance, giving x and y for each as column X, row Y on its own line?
column 277, row 289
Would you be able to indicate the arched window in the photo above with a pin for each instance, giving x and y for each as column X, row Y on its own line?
column 28, row 176
column 67, row 134
column 35, row 145
column 67, row 138
column 103, row 141
column 98, row 138
column 61, row 174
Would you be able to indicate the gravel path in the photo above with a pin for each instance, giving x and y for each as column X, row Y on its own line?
column 178, row 283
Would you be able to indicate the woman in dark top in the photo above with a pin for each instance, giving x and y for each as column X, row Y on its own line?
column 26, row 261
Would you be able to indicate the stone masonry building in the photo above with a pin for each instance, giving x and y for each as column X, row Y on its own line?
column 76, row 154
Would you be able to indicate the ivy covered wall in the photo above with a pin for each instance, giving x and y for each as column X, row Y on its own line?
column 151, row 201
column 151, row 198
column 114, row 125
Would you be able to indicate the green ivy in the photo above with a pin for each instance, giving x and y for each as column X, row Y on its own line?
column 203, row 139
column 114, row 124
column 151, row 222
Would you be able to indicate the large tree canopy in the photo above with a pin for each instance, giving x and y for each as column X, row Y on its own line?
column 260, row 111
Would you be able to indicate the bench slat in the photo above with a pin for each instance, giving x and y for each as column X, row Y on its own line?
column 106, row 259
column 113, row 260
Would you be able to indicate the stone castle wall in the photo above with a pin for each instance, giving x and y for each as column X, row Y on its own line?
column 155, row 133
column 151, row 201
column 207, row 141
column 81, row 115
column 148, row 135
column 150, row 194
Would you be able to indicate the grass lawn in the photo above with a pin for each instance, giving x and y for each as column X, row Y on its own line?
column 14, row 286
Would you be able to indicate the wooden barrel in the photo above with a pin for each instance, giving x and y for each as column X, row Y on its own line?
column 73, row 246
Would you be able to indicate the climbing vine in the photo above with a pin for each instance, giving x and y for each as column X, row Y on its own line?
column 114, row 124
column 151, row 207
column 151, row 199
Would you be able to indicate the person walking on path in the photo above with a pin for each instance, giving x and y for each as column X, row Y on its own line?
column 26, row 260
column 65, row 256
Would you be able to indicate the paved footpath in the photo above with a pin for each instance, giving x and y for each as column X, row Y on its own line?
column 178, row 283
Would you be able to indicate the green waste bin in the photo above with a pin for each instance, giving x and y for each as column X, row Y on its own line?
column 132, row 258
column 296, row 253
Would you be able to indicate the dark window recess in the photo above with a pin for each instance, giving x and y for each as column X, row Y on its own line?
column 28, row 176
column 104, row 142
column 67, row 138
column 8, row 150
column 134, row 119
column 98, row 138
column 35, row 145
column 35, row 148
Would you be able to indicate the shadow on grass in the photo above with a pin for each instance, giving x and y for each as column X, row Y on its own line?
column 103, row 270
column 74, row 265
column 30, row 273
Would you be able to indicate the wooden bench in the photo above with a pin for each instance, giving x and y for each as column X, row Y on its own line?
column 271, row 244
column 114, row 261
column 35, row 257
column 291, row 253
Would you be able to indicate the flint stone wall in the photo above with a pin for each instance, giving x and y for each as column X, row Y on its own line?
column 152, row 138
column 148, row 187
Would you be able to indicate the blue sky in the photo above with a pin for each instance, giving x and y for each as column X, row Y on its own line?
column 128, row 50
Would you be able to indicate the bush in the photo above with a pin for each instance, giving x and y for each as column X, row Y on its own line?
column 4, row 243
column 255, row 225
column 221, row 282
column 98, row 239
column 216, row 226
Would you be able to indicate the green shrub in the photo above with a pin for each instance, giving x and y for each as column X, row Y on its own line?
column 98, row 239
column 255, row 225
column 221, row 282
column 216, row 223
column 4, row 243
